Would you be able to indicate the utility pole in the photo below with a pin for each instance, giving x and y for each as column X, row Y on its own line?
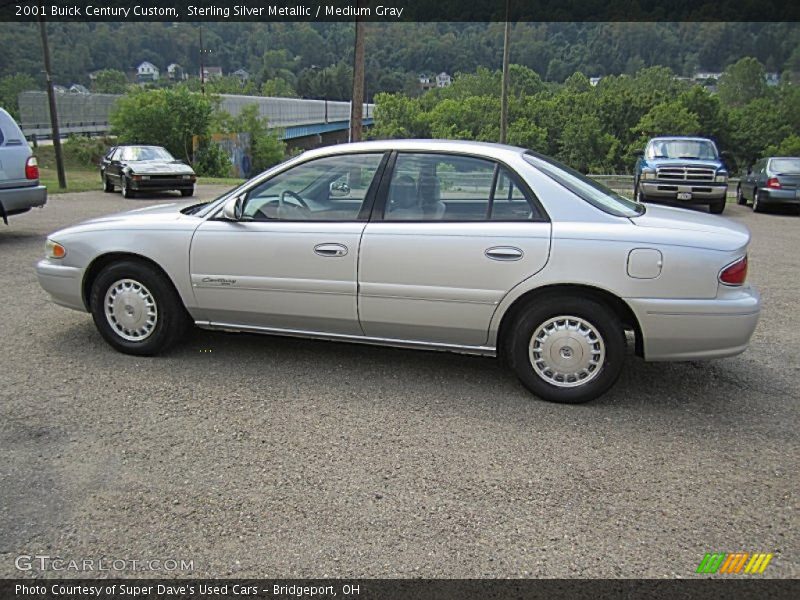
column 504, row 91
column 51, row 96
column 357, row 104
column 202, row 66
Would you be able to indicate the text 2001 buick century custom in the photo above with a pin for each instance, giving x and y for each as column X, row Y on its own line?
column 459, row 246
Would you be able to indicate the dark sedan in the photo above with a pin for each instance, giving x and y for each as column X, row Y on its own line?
column 770, row 182
column 145, row 169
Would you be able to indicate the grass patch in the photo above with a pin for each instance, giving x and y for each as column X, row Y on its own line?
column 78, row 180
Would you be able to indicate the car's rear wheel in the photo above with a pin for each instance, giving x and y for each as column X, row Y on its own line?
column 716, row 208
column 740, row 199
column 108, row 187
column 758, row 205
column 567, row 349
column 127, row 192
column 186, row 193
column 136, row 309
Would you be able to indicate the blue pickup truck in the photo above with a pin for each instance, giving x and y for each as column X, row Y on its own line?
column 682, row 170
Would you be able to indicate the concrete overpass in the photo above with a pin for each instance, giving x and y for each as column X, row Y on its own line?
column 299, row 122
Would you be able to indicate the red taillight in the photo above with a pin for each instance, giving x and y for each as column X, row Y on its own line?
column 773, row 183
column 31, row 168
column 735, row 273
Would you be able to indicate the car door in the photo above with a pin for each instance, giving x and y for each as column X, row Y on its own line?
column 113, row 168
column 450, row 236
column 290, row 262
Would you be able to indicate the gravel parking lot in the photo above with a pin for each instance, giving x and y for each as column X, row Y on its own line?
column 261, row 456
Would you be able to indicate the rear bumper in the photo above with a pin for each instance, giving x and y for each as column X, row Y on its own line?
column 697, row 329
column 21, row 199
column 63, row 283
column 702, row 192
column 770, row 196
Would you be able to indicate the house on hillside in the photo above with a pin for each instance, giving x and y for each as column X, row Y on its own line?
column 443, row 80
column 593, row 81
column 77, row 88
column 146, row 72
column 242, row 75
column 175, row 72
column 209, row 73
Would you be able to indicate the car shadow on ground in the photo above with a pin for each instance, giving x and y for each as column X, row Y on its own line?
column 703, row 388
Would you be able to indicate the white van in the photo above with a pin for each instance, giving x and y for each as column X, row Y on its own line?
column 19, row 172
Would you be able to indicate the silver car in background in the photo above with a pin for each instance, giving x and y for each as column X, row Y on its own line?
column 442, row 245
column 20, row 189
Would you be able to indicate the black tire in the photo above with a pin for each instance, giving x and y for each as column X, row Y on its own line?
column 758, row 204
column 604, row 324
column 716, row 208
column 740, row 199
column 638, row 194
column 187, row 193
column 108, row 187
column 170, row 322
column 127, row 192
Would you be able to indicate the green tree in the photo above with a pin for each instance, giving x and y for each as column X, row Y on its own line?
column 584, row 145
column 10, row 88
column 790, row 146
column 668, row 118
column 278, row 87
column 110, row 81
column 168, row 117
column 742, row 82
column 398, row 116
column 266, row 148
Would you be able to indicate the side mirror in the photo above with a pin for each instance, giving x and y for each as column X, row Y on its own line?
column 232, row 210
column 339, row 190
column 638, row 153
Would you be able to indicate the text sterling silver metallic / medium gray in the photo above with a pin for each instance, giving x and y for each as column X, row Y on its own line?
column 459, row 246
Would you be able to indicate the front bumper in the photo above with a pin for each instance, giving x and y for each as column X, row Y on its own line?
column 20, row 199
column 697, row 329
column 162, row 183
column 702, row 192
column 63, row 283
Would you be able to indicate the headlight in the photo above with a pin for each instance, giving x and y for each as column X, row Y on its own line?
column 186, row 176
column 722, row 177
column 54, row 249
column 648, row 174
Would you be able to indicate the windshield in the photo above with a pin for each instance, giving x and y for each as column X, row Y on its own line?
column 785, row 166
column 679, row 148
column 588, row 189
column 146, row 153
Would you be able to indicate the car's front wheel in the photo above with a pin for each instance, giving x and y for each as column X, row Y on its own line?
column 127, row 192
column 638, row 194
column 716, row 208
column 187, row 192
column 108, row 187
column 136, row 309
column 568, row 350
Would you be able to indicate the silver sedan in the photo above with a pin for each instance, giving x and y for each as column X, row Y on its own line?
column 439, row 245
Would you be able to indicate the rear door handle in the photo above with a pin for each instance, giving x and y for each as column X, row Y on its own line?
column 330, row 250
column 506, row 253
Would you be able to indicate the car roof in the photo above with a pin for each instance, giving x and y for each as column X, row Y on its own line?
column 692, row 138
column 486, row 149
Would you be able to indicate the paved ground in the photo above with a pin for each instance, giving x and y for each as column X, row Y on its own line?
column 283, row 457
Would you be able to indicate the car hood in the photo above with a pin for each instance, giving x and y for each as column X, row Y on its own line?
column 159, row 166
column 681, row 162
column 709, row 231
column 160, row 216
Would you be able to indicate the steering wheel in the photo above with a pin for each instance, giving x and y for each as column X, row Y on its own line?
column 293, row 195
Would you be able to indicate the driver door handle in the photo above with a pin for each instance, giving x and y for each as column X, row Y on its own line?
column 331, row 250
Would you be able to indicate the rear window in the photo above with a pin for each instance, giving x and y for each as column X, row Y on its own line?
column 780, row 166
column 585, row 188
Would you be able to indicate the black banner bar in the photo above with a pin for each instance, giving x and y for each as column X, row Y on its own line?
column 738, row 588
column 391, row 11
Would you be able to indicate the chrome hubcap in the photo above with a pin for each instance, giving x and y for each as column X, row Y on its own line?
column 567, row 351
column 131, row 310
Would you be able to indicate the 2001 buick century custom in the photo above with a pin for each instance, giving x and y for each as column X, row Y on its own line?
column 460, row 246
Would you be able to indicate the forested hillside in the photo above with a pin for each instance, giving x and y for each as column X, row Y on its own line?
column 314, row 59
